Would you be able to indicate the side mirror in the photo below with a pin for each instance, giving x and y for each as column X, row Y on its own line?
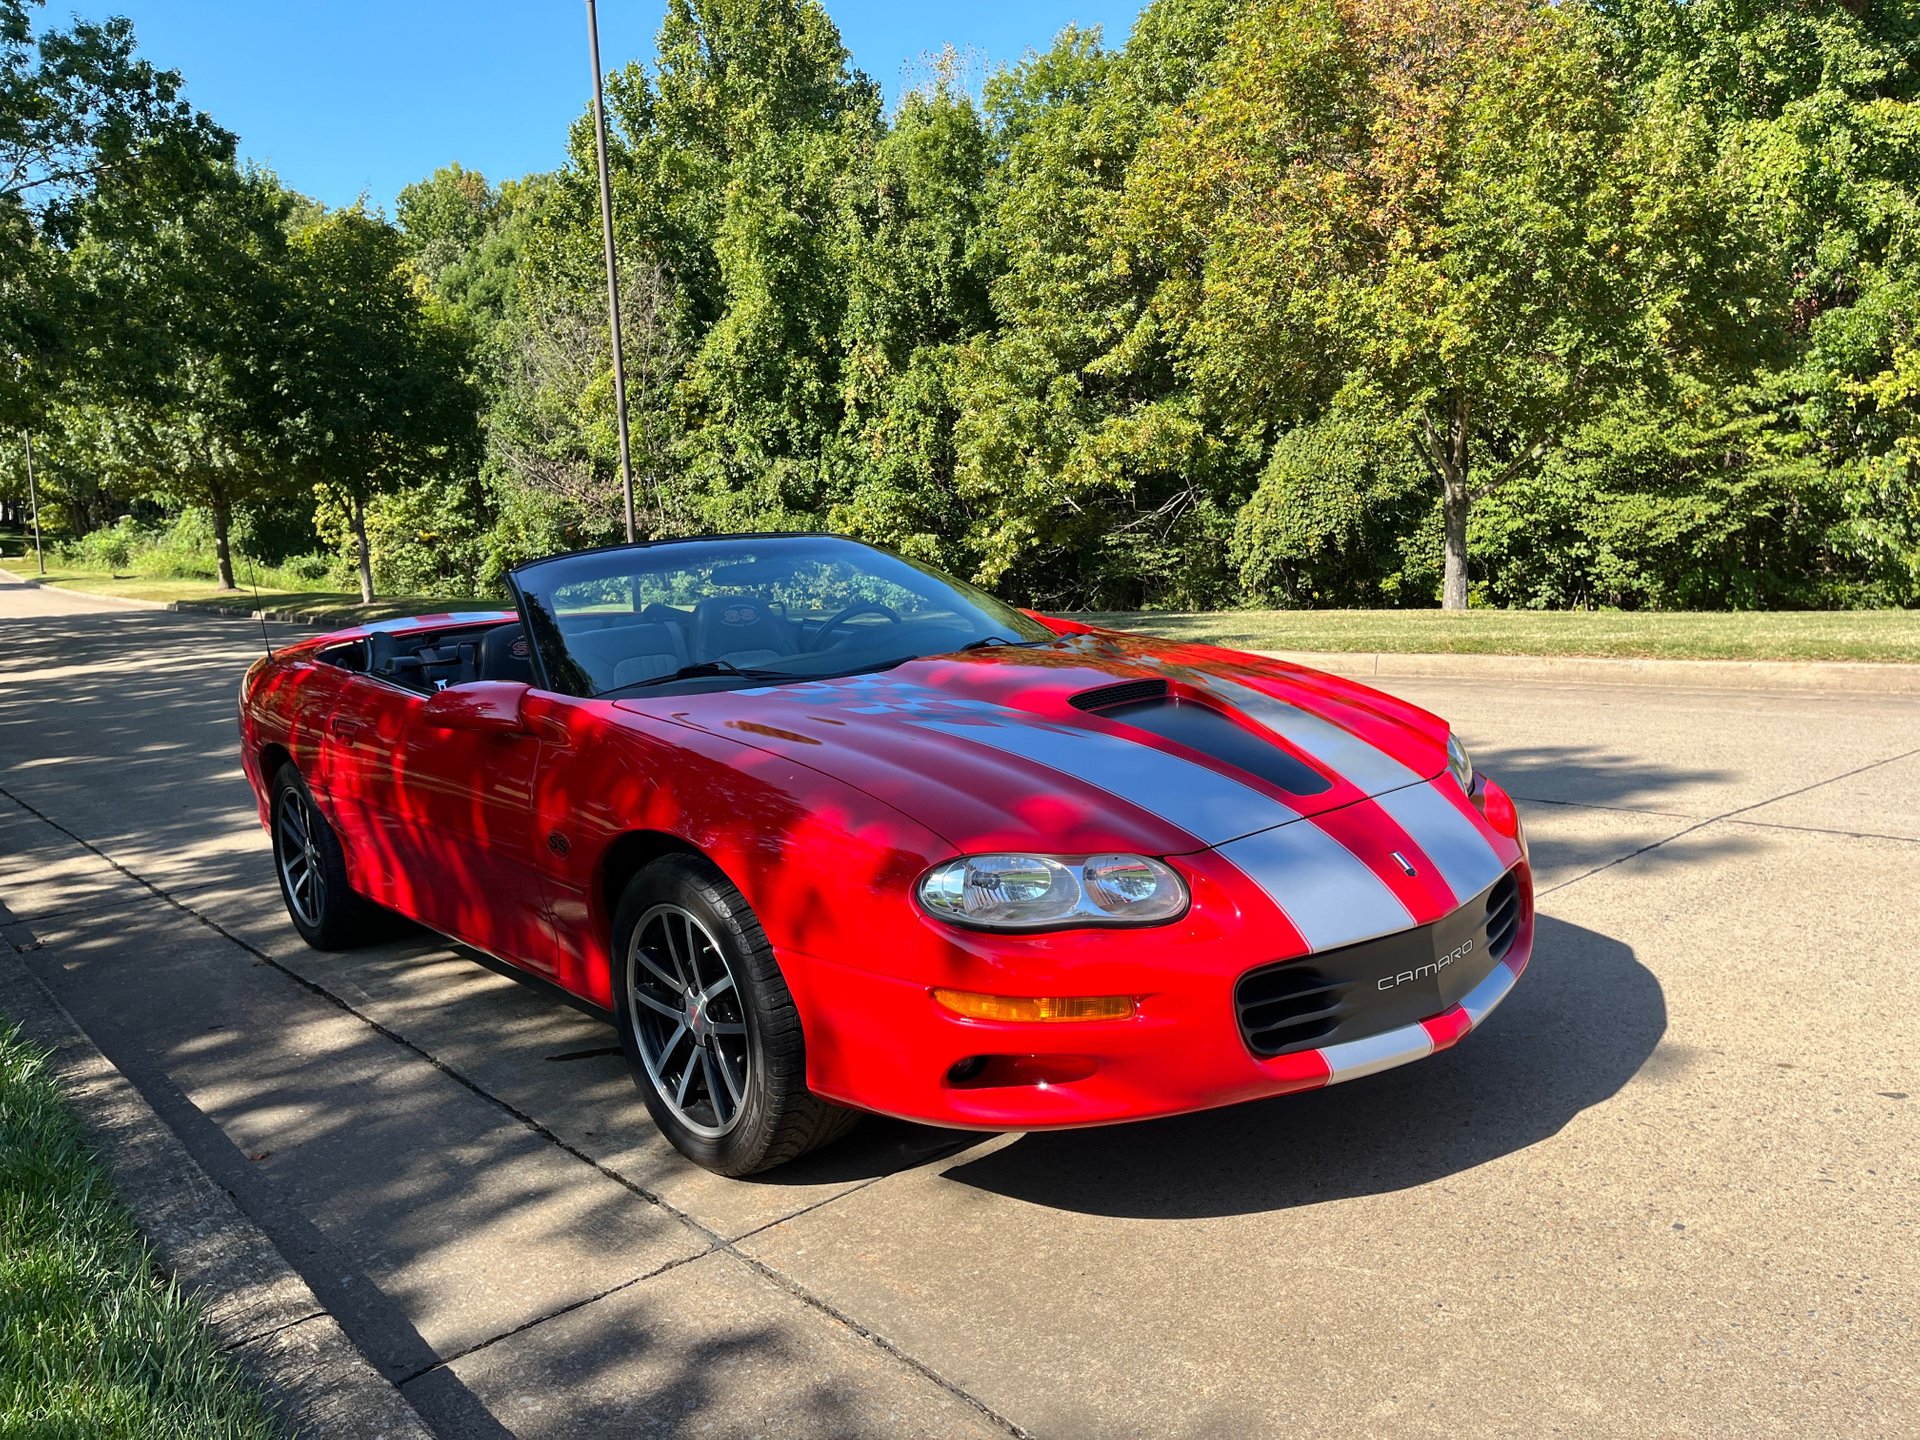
column 488, row 705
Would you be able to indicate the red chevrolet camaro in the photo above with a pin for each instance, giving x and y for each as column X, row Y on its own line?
column 827, row 831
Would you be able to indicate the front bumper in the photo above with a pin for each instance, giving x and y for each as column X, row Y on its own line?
column 879, row 1042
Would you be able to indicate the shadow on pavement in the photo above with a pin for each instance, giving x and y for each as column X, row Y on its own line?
column 1581, row 1023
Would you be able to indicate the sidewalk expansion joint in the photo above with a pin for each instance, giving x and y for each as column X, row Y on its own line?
column 243, row 1341
column 1730, row 815
column 554, row 1314
column 1609, row 809
column 1826, row 830
column 715, row 1240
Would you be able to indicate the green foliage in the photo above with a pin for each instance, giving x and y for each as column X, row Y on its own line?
column 1313, row 302
column 80, row 114
column 1330, row 521
column 182, row 548
column 381, row 369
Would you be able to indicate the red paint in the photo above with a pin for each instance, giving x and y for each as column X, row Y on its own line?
column 488, row 706
column 1448, row 1028
column 489, row 812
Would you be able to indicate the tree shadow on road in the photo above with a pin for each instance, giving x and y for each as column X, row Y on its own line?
column 1581, row 1023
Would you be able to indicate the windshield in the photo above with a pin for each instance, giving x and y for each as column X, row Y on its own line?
column 702, row 614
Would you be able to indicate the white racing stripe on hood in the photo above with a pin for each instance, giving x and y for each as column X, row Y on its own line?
column 1340, row 750
column 1206, row 804
column 1326, row 890
column 1451, row 841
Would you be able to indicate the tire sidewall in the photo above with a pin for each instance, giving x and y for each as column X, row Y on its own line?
column 681, row 881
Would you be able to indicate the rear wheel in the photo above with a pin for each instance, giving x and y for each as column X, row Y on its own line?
column 312, row 869
column 708, row 1025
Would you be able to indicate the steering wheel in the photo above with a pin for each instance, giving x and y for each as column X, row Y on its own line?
column 859, row 607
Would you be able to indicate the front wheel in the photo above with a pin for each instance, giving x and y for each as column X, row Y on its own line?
column 708, row 1025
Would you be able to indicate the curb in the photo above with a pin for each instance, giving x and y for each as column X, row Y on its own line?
column 1810, row 676
column 260, row 1311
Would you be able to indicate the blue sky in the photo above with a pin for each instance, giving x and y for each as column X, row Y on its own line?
column 352, row 96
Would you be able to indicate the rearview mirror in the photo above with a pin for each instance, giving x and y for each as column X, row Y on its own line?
column 490, row 705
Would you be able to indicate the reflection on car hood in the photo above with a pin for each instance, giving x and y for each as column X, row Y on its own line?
column 1073, row 746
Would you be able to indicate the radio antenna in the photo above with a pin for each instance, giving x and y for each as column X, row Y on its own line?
column 253, row 581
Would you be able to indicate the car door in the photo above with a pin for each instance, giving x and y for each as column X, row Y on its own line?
column 437, row 821
column 461, row 806
column 357, row 735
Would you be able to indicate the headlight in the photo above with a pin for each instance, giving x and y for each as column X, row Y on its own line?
column 1036, row 892
column 1460, row 763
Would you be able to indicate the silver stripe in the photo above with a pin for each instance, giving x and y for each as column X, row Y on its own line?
column 1354, row 1058
column 1204, row 803
column 1480, row 1001
column 1341, row 751
column 1462, row 855
column 1326, row 890
column 456, row 617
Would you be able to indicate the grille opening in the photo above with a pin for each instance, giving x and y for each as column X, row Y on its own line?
column 1372, row 986
column 1128, row 692
column 1289, row 1007
column 1503, row 916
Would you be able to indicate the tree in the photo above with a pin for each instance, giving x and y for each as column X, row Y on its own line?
column 78, row 112
column 916, row 294
column 178, row 385
column 1091, row 476
column 379, row 374
column 1410, row 207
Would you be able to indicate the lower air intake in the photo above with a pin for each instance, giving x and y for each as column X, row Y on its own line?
column 1377, row 985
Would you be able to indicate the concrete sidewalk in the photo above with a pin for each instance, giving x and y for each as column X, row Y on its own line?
column 1670, row 1187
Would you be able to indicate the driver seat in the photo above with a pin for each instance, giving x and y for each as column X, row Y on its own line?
column 740, row 629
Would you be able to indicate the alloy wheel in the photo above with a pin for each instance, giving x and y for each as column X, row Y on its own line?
column 299, row 856
column 689, row 1019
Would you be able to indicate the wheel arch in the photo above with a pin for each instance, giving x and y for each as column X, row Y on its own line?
column 625, row 857
column 272, row 758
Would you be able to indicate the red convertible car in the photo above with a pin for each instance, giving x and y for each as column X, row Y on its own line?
column 827, row 831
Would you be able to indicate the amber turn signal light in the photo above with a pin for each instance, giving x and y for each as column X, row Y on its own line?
column 1057, row 1007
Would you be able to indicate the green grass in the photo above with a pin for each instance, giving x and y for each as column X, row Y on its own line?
column 1871, row 635
column 93, row 1341
column 1874, row 635
column 328, row 605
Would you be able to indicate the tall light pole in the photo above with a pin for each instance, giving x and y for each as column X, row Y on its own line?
column 613, row 273
column 33, row 498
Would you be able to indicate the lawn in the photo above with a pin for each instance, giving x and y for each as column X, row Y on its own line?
column 93, row 1342
column 1872, row 635
column 325, row 605
column 1877, row 635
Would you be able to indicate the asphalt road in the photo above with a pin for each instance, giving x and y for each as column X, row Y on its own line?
column 1668, row 1189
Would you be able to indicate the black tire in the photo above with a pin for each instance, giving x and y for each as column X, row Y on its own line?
column 717, row 1054
column 312, row 870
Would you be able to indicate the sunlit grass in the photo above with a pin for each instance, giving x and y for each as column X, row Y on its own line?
column 93, row 1342
column 1871, row 635
column 329, row 605
column 1876, row 635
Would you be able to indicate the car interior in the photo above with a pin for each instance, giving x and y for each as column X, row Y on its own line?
column 428, row 660
column 616, row 643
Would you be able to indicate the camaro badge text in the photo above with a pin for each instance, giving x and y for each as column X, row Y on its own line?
column 1424, row 972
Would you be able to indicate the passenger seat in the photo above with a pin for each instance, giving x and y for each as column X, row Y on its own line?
column 505, row 655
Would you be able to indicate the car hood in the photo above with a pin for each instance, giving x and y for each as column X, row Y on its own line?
column 1090, row 742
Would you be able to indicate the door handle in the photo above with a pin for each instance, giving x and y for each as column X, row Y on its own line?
column 347, row 728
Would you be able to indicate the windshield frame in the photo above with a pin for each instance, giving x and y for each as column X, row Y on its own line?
column 560, row 672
